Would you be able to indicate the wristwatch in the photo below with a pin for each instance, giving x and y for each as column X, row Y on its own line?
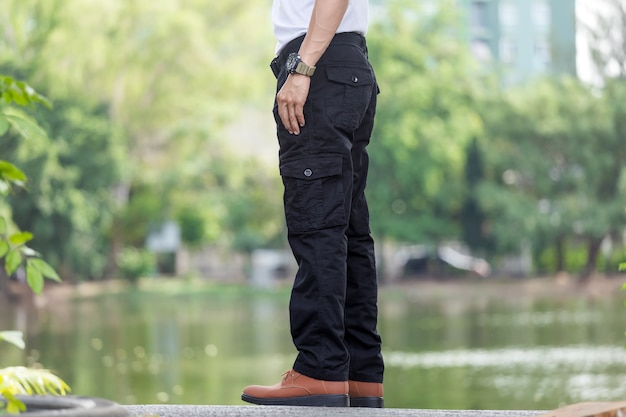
column 295, row 65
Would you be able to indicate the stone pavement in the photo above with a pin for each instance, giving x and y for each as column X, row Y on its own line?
column 267, row 411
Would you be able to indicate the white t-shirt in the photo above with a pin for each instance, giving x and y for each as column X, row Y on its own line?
column 291, row 19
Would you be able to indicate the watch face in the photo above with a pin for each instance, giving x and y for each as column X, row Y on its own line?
column 292, row 62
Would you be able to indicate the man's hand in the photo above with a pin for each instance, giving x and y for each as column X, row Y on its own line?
column 325, row 19
column 290, row 100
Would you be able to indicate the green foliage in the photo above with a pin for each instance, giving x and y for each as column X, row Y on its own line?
column 10, row 174
column 144, row 209
column 135, row 263
column 164, row 78
column 152, row 98
column 253, row 218
column 568, row 184
column 13, row 247
column 18, row 380
column 21, row 94
column 69, row 204
column 425, row 119
column 192, row 226
column 611, row 262
column 15, row 253
column 18, row 92
column 28, row 381
column 574, row 259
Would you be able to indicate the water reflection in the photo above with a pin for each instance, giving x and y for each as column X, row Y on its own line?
column 441, row 352
column 574, row 358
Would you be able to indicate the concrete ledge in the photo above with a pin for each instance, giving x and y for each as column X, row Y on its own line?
column 261, row 411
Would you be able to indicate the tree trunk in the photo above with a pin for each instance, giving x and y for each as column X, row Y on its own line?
column 115, row 246
column 122, row 195
column 4, row 284
column 593, row 250
column 560, row 254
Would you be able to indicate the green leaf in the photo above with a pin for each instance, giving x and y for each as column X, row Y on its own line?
column 4, row 125
column 11, row 173
column 14, row 337
column 45, row 269
column 12, row 262
column 4, row 187
column 28, row 381
column 34, row 278
column 25, row 126
column 14, row 405
column 23, row 94
column 3, row 226
column 4, row 248
column 19, row 98
column 28, row 252
column 20, row 238
column 20, row 93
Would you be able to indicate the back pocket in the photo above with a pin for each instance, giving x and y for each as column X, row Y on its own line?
column 313, row 193
column 349, row 94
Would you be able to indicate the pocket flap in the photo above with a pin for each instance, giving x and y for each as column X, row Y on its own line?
column 349, row 75
column 312, row 168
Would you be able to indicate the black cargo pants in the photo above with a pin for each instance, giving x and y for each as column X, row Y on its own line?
column 333, row 306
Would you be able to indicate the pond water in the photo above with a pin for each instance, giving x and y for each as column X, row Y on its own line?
column 442, row 351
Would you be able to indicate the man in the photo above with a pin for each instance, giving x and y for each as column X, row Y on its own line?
column 324, row 112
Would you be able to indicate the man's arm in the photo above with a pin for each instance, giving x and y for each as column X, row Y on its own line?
column 325, row 19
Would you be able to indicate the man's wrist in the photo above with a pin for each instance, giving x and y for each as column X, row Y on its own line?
column 295, row 65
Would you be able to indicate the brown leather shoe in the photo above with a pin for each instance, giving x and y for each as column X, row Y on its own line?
column 366, row 394
column 298, row 389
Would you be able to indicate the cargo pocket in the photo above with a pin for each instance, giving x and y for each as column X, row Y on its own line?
column 348, row 96
column 313, row 193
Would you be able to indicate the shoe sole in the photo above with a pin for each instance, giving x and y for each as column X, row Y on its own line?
column 367, row 402
column 308, row 401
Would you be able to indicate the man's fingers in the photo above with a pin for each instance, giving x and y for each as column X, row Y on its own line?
column 291, row 99
column 300, row 117
column 291, row 120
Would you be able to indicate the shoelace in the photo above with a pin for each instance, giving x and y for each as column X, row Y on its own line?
column 288, row 375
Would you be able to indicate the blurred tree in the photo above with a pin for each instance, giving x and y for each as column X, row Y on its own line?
column 251, row 216
column 425, row 120
column 169, row 76
column 68, row 204
column 556, row 168
column 473, row 218
column 145, row 89
column 608, row 50
column 558, row 152
column 13, row 250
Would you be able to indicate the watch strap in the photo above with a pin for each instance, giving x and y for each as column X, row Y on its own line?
column 304, row 69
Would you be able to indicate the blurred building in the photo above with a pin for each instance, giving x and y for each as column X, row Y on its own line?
column 522, row 38
column 519, row 38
